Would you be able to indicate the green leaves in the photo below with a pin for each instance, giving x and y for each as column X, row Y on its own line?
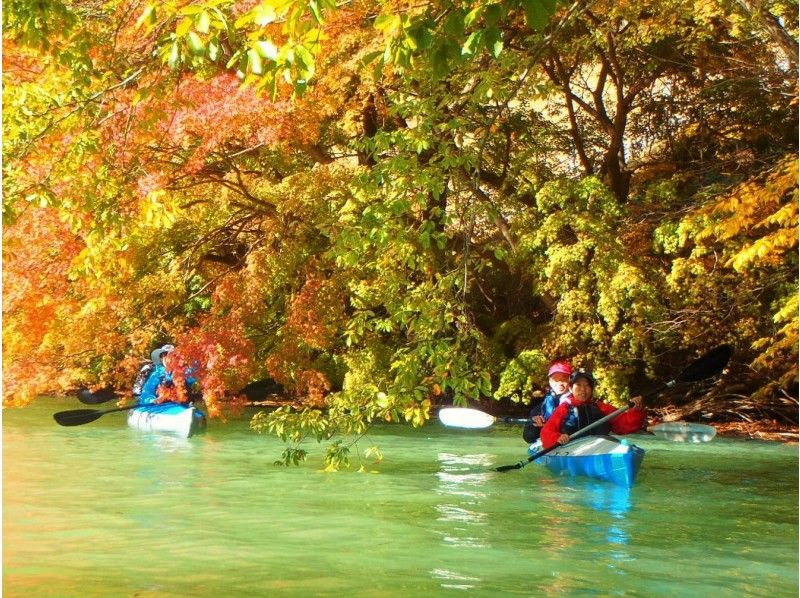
column 538, row 12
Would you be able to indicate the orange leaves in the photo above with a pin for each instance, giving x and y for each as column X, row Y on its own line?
column 37, row 251
column 313, row 386
column 316, row 313
column 219, row 111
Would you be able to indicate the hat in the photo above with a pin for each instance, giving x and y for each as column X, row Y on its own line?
column 559, row 367
column 155, row 356
column 581, row 373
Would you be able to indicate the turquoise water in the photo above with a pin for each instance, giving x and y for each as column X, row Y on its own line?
column 102, row 510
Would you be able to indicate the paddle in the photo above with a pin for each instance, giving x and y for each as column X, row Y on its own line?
column 78, row 417
column 710, row 364
column 462, row 417
column 254, row 391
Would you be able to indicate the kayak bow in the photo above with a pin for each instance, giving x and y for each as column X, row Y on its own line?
column 599, row 457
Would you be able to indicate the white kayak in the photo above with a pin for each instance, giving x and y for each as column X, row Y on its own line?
column 170, row 418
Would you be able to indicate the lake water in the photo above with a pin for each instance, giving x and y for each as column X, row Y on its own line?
column 102, row 510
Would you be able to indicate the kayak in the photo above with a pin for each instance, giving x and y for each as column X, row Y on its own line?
column 171, row 418
column 599, row 457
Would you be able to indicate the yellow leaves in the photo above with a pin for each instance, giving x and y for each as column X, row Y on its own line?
column 788, row 313
column 780, row 349
column 767, row 250
column 158, row 211
column 756, row 221
column 417, row 413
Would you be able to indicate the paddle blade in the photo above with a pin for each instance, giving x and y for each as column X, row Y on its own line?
column 504, row 468
column 684, row 432
column 96, row 398
column 710, row 364
column 77, row 417
column 462, row 417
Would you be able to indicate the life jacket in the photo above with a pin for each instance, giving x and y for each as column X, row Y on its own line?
column 530, row 433
column 141, row 378
column 580, row 416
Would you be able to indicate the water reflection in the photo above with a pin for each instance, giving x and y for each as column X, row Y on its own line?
column 454, row 581
column 604, row 507
column 163, row 443
column 463, row 493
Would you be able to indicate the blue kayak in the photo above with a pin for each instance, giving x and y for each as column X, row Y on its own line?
column 599, row 457
column 171, row 418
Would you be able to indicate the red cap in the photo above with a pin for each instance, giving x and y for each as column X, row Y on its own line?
column 559, row 367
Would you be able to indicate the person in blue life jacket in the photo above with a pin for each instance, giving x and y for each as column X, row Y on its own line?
column 160, row 376
column 147, row 369
column 558, row 379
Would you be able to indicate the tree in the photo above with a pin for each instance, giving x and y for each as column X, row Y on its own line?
column 386, row 205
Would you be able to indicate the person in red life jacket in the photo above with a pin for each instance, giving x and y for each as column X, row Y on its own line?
column 558, row 379
column 578, row 409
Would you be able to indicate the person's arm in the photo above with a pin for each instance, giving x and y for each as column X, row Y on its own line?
column 551, row 432
column 535, row 415
column 629, row 422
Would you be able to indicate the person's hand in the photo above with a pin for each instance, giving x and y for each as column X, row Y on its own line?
column 638, row 402
column 563, row 439
column 538, row 421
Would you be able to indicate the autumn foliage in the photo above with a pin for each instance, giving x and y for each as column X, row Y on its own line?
column 385, row 205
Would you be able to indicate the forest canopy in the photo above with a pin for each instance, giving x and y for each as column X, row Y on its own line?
column 382, row 206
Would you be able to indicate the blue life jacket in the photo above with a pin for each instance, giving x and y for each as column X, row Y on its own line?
column 157, row 377
column 549, row 404
column 530, row 433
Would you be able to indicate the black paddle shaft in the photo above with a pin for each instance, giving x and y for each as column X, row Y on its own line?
column 254, row 391
column 710, row 364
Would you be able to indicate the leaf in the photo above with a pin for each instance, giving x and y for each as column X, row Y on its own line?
column 147, row 17
column 315, row 11
column 184, row 27
column 264, row 14
column 254, row 63
column 174, row 56
column 196, row 44
column 191, row 9
column 538, row 13
column 267, row 49
column 472, row 44
column 370, row 57
column 203, row 22
column 305, row 62
column 213, row 50
column 389, row 24
column 474, row 15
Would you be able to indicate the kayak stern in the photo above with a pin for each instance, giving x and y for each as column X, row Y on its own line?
column 171, row 418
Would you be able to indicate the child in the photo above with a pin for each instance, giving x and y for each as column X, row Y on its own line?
column 578, row 409
column 558, row 377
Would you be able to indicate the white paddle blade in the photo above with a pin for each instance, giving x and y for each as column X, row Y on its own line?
column 462, row 417
column 684, row 432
